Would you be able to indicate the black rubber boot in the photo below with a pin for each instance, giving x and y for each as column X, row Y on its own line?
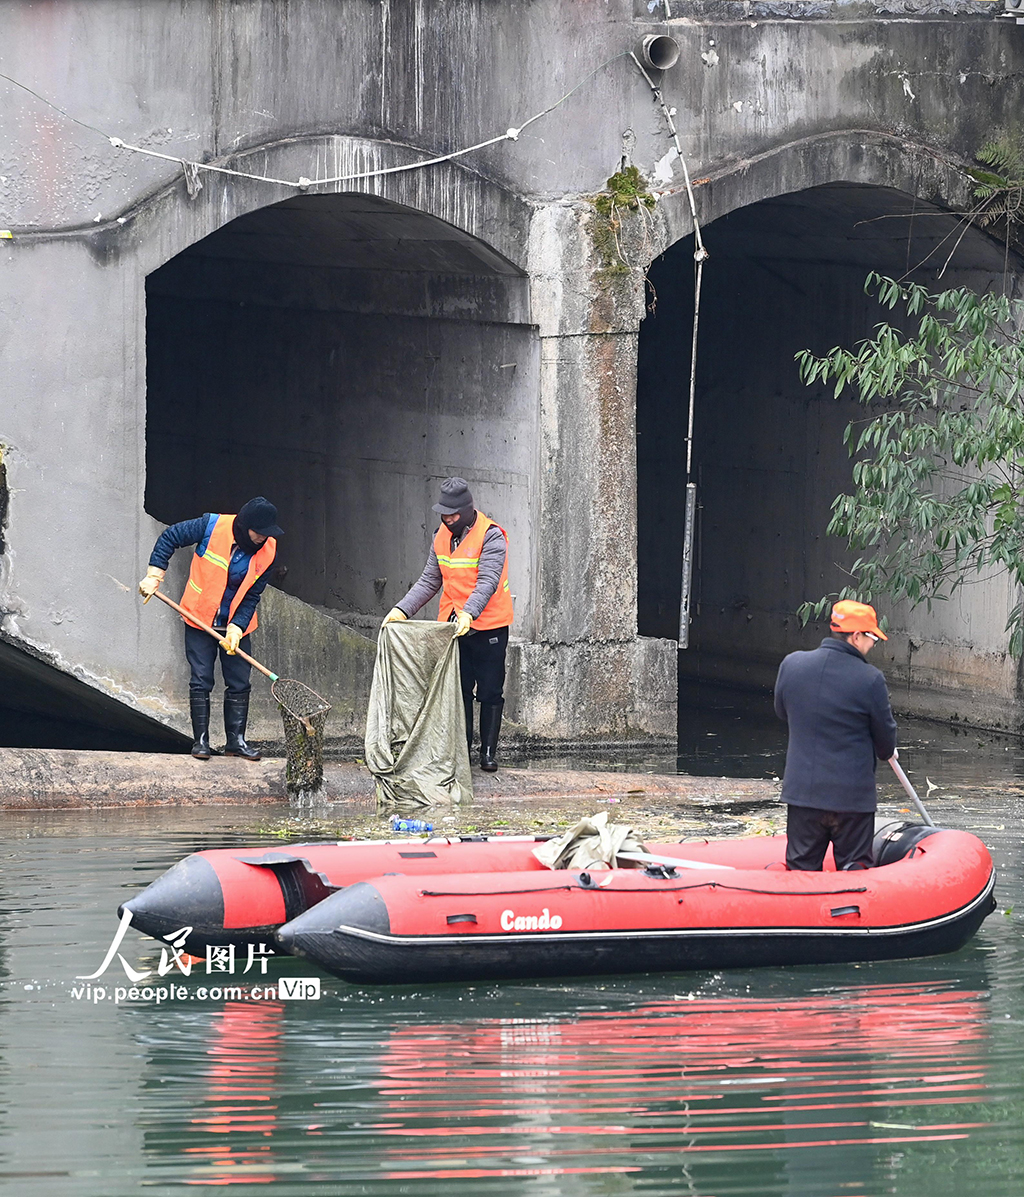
column 236, row 713
column 468, row 704
column 490, row 725
column 199, row 709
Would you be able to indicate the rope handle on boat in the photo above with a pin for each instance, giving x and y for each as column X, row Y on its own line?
column 547, row 889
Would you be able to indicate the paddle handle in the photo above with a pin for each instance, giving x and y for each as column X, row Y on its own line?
column 216, row 635
column 673, row 861
column 897, row 768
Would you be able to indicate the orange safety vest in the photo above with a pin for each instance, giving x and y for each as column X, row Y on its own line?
column 459, row 568
column 208, row 576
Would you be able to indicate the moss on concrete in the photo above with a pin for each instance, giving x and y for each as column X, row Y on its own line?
column 625, row 192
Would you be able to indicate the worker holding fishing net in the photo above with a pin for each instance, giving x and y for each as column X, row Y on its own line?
column 229, row 572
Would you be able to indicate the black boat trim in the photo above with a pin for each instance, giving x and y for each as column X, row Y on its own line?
column 902, row 929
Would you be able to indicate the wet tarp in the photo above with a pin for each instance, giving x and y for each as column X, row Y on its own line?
column 416, row 724
column 592, row 843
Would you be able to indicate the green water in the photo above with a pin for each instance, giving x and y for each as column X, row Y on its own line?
column 897, row 1078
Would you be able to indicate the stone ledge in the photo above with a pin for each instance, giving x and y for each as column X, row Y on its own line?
column 688, row 11
column 57, row 779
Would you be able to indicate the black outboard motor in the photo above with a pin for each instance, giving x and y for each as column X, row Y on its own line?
column 893, row 841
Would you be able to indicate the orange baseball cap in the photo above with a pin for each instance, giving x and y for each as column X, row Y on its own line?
column 850, row 616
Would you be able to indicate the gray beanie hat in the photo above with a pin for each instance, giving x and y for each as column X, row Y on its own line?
column 455, row 497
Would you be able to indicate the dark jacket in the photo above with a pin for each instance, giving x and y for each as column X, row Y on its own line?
column 196, row 532
column 840, row 725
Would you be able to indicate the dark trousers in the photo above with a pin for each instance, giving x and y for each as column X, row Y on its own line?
column 482, row 665
column 201, row 652
column 809, row 831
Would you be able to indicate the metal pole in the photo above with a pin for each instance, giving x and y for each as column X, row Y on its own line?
column 684, row 598
column 700, row 256
column 897, row 768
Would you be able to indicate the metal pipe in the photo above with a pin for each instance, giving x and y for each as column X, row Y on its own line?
column 687, row 581
column 897, row 768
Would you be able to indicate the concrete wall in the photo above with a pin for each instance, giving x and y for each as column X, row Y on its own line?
column 344, row 376
column 791, row 98
column 769, row 455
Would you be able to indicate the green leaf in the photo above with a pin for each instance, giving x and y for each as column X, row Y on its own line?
column 938, row 472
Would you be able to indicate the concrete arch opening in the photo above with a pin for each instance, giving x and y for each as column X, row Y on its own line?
column 785, row 274
column 340, row 354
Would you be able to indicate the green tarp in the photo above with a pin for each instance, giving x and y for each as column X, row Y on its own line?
column 416, row 724
column 592, row 843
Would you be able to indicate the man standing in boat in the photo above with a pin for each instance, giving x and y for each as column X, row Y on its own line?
column 840, row 725
column 230, row 570
column 468, row 563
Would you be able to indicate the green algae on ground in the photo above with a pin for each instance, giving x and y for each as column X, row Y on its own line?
column 672, row 822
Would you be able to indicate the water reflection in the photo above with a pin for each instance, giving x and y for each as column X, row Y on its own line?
column 240, row 1107
column 831, row 1091
column 808, row 1080
column 897, row 1077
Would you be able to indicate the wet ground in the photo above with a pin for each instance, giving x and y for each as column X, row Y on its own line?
column 895, row 1078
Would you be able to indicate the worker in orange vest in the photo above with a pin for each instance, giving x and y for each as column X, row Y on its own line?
column 468, row 563
column 230, row 570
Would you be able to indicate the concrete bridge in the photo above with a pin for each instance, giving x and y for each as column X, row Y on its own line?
column 352, row 308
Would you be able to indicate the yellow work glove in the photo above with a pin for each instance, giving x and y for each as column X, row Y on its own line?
column 394, row 615
column 463, row 621
column 150, row 584
column 232, row 637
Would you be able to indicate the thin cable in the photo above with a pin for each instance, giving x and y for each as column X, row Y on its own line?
column 302, row 183
column 55, row 107
column 700, row 256
column 509, row 135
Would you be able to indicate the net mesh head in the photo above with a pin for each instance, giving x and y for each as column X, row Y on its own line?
column 298, row 699
column 304, row 713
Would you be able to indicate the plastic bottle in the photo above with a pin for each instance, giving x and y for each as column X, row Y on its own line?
column 413, row 825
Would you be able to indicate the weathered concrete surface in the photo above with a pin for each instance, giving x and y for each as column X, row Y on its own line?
column 789, row 97
column 39, row 779
column 295, row 640
column 788, row 275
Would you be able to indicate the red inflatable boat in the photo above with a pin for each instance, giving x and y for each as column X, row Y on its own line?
column 242, row 895
column 444, row 909
column 748, row 911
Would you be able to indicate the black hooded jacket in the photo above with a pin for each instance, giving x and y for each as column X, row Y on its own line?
column 840, row 725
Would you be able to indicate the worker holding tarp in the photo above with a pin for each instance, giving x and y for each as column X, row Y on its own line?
column 468, row 563
column 414, row 729
column 229, row 572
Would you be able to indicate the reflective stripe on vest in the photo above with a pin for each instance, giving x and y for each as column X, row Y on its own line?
column 459, row 569
column 208, row 575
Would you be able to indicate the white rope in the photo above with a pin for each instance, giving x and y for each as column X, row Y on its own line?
column 302, row 183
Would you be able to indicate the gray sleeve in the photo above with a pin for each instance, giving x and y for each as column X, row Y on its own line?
column 492, row 561
column 424, row 589
column 780, row 701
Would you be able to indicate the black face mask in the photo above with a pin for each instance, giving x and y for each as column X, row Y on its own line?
column 465, row 521
column 254, row 513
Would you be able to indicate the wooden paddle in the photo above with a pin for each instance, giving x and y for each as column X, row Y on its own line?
column 215, row 634
column 311, row 703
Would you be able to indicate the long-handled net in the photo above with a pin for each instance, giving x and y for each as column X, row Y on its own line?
column 303, row 712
